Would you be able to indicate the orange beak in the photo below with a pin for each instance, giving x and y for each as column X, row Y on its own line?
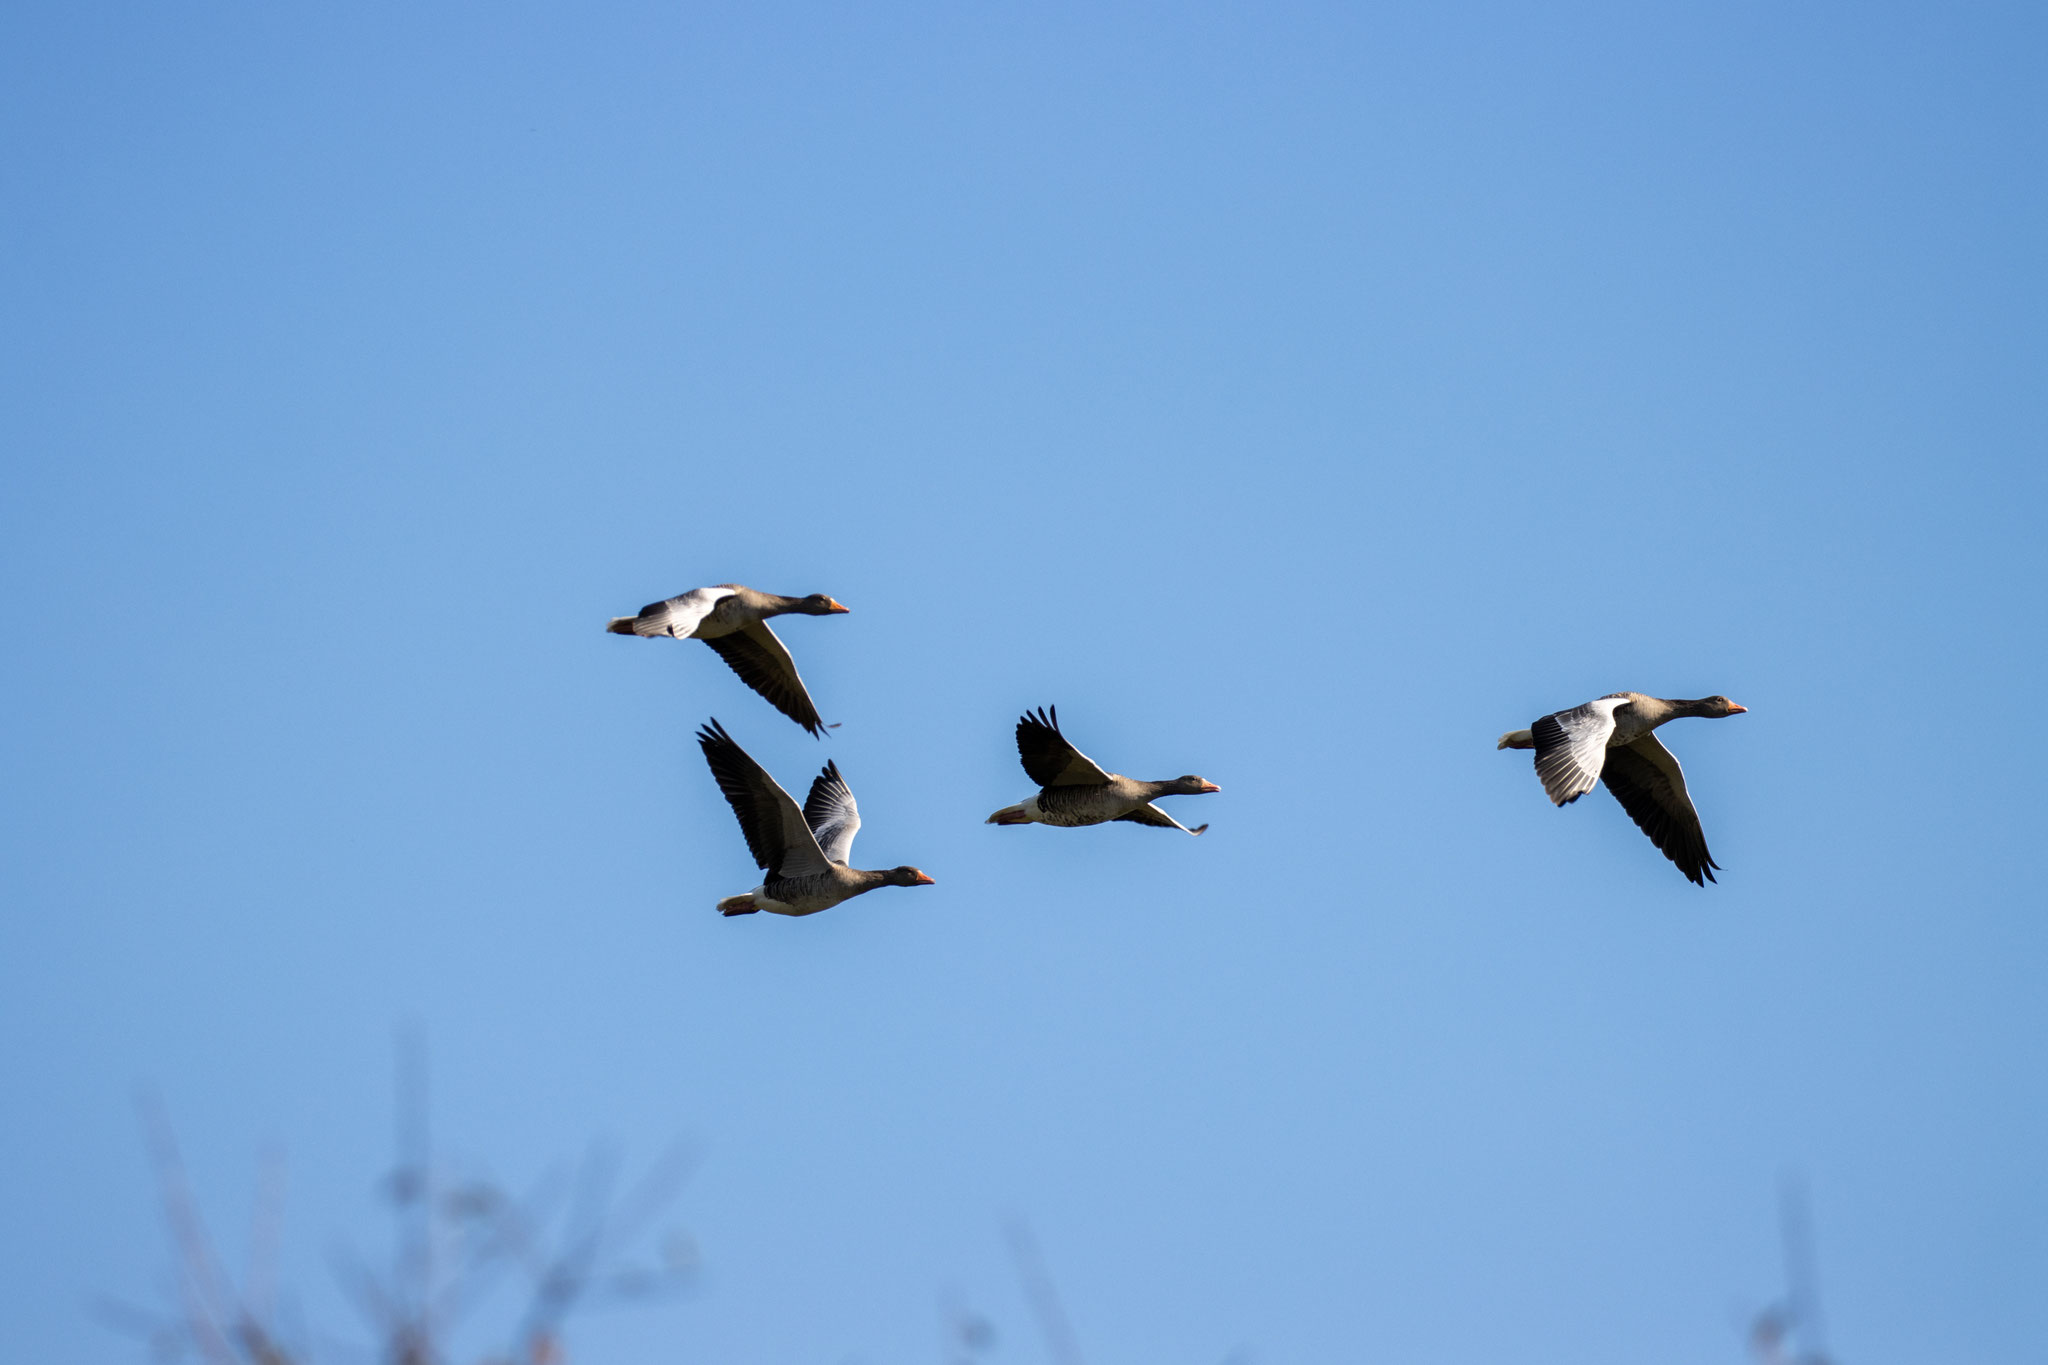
column 923, row 880
column 1208, row 787
column 1735, row 710
column 832, row 607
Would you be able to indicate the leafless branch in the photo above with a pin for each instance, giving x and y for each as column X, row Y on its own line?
column 1045, row 1302
column 454, row 1237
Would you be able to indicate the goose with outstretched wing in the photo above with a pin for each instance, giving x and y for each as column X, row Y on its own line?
column 1073, row 791
column 1613, row 740
column 803, row 851
column 733, row 620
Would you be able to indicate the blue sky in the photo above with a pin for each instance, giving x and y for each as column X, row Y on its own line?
column 1300, row 396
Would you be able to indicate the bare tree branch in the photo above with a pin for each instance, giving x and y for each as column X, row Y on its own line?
column 1045, row 1303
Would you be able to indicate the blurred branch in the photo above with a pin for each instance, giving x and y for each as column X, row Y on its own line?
column 963, row 1333
column 1790, row 1332
column 205, row 1296
column 453, row 1240
column 1045, row 1301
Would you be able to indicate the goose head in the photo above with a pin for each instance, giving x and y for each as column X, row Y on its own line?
column 817, row 604
column 1190, row 786
column 1717, row 706
column 906, row 876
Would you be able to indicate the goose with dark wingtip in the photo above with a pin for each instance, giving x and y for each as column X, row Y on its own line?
column 734, row 621
column 1072, row 790
column 1613, row 740
column 803, row 851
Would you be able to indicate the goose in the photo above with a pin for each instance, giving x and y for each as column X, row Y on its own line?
column 804, row 852
column 734, row 621
column 1613, row 739
column 1074, row 791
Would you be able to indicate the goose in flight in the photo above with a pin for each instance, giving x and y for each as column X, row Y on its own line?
column 1073, row 791
column 734, row 621
column 1614, row 740
column 804, row 852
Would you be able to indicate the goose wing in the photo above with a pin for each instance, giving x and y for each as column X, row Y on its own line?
column 1149, row 814
column 1571, row 747
column 677, row 616
column 1048, row 759
column 1650, row 785
column 777, row 834
column 832, row 815
column 763, row 664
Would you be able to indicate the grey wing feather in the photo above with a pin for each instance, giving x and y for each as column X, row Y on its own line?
column 1049, row 760
column 763, row 664
column 1646, row 779
column 1571, row 747
column 677, row 616
column 776, row 832
column 1149, row 814
column 831, row 813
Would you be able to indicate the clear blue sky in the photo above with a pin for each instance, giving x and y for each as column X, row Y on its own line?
column 1297, row 395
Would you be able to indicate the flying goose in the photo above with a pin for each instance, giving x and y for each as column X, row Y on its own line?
column 734, row 621
column 1612, row 739
column 1073, row 791
column 804, row 852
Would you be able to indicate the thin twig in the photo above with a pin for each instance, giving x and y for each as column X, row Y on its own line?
column 1802, row 1279
column 203, row 1286
column 266, row 1227
column 1045, row 1301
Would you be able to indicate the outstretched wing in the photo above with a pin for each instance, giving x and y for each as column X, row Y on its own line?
column 832, row 815
column 763, row 664
column 777, row 835
column 678, row 616
column 1149, row 814
column 1650, row 785
column 1048, row 759
column 1571, row 747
